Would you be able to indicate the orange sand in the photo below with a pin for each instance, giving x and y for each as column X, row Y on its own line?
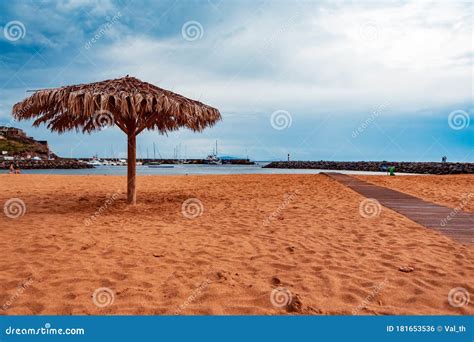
column 452, row 191
column 256, row 233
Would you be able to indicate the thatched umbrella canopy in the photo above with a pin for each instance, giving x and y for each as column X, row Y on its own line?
column 127, row 102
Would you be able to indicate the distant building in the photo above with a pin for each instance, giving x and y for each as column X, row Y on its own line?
column 12, row 132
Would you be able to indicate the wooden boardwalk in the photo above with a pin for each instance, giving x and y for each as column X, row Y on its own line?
column 457, row 224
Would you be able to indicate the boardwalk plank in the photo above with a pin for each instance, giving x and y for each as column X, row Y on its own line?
column 454, row 223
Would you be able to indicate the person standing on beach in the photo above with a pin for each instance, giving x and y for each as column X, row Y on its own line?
column 12, row 169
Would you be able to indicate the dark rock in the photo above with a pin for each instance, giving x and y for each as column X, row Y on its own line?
column 376, row 166
column 45, row 164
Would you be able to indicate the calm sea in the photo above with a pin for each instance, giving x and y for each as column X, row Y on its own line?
column 186, row 169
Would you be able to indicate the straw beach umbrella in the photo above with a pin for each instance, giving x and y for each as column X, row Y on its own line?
column 126, row 102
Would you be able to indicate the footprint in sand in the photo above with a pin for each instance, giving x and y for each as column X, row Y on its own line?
column 275, row 281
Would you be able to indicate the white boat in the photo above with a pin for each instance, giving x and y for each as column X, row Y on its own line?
column 95, row 162
column 213, row 159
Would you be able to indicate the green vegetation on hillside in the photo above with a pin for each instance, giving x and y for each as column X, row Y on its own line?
column 15, row 147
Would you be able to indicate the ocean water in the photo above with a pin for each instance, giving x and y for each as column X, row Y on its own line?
column 187, row 169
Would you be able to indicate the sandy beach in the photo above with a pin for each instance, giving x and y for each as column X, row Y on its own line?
column 225, row 245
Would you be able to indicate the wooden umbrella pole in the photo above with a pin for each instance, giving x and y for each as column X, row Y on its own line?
column 131, row 169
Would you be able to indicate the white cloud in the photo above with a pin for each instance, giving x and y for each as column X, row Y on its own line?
column 314, row 58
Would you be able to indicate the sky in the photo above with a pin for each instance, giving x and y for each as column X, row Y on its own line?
column 320, row 80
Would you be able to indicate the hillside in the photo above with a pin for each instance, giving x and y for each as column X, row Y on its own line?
column 14, row 142
column 15, row 147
